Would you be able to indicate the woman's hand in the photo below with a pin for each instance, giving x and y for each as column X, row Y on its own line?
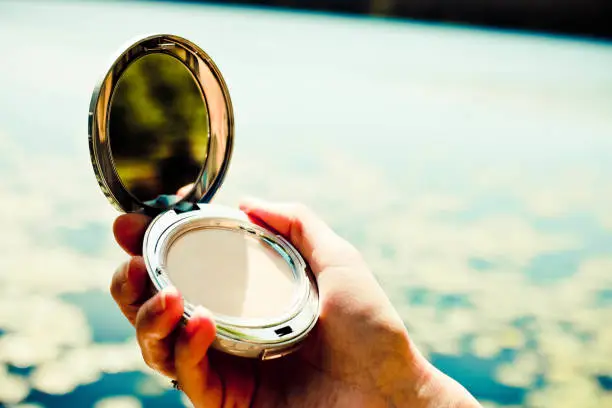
column 359, row 354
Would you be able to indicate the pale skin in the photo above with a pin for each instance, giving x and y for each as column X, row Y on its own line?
column 359, row 355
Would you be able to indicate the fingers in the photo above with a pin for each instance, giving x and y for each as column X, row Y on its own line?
column 238, row 374
column 130, row 287
column 193, row 370
column 312, row 237
column 155, row 325
column 129, row 230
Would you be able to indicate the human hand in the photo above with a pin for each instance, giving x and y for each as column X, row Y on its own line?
column 358, row 355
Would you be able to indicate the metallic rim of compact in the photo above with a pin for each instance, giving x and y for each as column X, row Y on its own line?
column 265, row 337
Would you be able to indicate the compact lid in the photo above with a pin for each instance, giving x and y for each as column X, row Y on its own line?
column 161, row 126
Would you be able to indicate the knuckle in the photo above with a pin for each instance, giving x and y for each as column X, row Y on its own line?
column 151, row 362
column 300, row 210
column 341, row 251
column 157, row 356
column 350, row 253
column 118, row 280
column 145, row 320
column 299, row 214
column 115, row 289
column 149, row 322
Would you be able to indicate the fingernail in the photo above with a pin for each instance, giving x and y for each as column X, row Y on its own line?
column 170, row 290
column 201, row 311
column 198, row 314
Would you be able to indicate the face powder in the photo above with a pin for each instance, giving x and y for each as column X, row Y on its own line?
column 231, row 273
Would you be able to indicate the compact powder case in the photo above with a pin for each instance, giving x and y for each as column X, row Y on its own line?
column 161, row 133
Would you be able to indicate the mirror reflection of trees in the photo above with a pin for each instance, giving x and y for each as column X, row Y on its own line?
column 158, row 127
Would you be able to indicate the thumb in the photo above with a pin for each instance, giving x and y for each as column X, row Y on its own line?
column 314, row 239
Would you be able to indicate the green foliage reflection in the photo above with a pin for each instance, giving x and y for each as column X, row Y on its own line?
column 158, row 127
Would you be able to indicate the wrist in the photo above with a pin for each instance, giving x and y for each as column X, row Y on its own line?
column 421, row 385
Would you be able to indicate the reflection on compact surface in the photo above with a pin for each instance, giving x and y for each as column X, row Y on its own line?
column 158, row 127
column 161, row 136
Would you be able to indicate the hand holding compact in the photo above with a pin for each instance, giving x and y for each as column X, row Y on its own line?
column 358, row 355
column 161, row 119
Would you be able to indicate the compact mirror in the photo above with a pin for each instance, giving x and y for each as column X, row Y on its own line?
column 161, row 122
column 158, row 128
column 161, row 135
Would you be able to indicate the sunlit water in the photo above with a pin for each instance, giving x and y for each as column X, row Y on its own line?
column 471, row 168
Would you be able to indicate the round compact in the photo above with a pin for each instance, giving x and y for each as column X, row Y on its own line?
column 161, row 131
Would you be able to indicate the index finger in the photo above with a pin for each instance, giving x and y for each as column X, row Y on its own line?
column 129, row 230
column 313, row 238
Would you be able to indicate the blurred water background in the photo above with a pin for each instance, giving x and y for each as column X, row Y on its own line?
column 472, row 167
